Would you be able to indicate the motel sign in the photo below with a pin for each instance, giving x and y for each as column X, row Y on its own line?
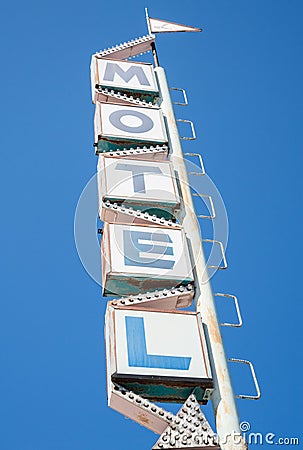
column 160, row 354
column 153, row 264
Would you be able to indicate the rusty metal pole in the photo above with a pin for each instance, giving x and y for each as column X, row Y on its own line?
column 225, row 410
column 153, row 46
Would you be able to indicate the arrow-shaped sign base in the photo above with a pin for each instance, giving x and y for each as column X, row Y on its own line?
column 189, row 430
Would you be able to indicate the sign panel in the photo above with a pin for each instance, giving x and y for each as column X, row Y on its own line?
column 119, row 126
column 142, row 258
column 136, row 79
column 161, row 355
column 145, row 185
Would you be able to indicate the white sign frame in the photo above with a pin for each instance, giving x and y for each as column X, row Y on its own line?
column 117, row 185
column 182, row 333
column 119, row 278
column 107, row 131
column 98, row 70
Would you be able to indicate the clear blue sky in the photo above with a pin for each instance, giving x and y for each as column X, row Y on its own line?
column 243, row 76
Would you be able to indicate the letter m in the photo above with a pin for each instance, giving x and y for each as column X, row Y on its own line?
column 134, row 71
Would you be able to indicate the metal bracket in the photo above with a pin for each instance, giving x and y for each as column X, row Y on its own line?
column 222, row 251
column 212, row 207
column 138, row 408
column 203, row 172
column 240, row 321
column 193, row 137
column 188, row 430
column 254, row 376
column 114, row 96
column 128, row 49
column 179, row 297
column 114, row 213
column 185, row 101
column 157, row 153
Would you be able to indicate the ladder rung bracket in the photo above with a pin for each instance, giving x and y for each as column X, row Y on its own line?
column 254, row 377
column 112, row 96
column 214, row 241
column 193, row 137
column 236, row 302
column 128, row 49
column 185, row 101
column 212, row 207
column 197, row 155
column 182, row 296
column 114, row 213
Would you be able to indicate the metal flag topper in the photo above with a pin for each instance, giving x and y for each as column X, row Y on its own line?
column 131, row 99
column 164, row 26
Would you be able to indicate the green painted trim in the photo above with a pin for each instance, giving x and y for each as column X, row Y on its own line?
column 119, row 284
column 165, row 393
column 111, row 143
column 148, row 96
column 160, row 209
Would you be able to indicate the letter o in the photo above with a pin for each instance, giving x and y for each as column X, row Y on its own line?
column 146, row 125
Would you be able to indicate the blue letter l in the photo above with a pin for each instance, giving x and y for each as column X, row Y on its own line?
column 137, row 352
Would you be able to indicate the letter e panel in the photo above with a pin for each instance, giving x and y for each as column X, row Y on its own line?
column 138, row 259
column 161, row 356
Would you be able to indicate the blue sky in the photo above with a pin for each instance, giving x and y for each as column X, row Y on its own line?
column 243, row 76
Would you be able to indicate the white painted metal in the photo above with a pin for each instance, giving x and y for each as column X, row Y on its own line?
column 192, row 127
column 222, row 250
column 227, row 421
column 116, row 182
column 257, row 396
column 202, row 168
column 164, row 26
column 236, row 302
column 178, row 258
column 136, row 124
column 212, row 214
column 177, row 333
column 125, row 402
column 185, row 101
column 140, row 258
column 130, row 82
column 189, row 430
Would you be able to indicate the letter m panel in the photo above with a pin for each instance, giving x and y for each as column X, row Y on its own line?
column 131, row 78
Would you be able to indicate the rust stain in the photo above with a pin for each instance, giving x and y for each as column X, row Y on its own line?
column 143, row 419
column 214, row 329
column 227, row 410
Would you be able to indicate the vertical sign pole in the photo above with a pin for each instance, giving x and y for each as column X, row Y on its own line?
column 227, row 421
column 153, row 46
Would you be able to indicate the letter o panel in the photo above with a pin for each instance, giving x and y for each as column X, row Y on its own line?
column 118, row 127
